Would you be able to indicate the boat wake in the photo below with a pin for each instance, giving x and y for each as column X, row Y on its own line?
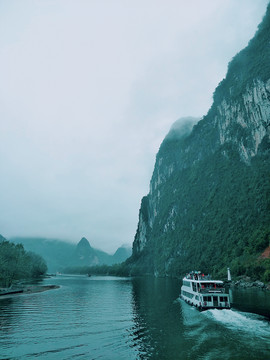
column 248, row 323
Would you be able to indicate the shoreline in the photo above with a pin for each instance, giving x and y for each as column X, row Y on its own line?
column 29, row 289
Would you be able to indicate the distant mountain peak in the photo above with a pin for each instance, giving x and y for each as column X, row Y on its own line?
column 2, row 238
column 84, row 248
column 122, row 253
column 84, row 242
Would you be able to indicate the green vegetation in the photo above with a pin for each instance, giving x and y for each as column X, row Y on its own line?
column 17, row 264
column 56, row 253
column 212, row 208
column 249, row 64
column 222, row 219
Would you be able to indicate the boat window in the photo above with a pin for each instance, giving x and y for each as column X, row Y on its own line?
column 186, row 283
column 223, row 298
column 208, row 285
column 187, row 294
column 207, row 298
column 194, row 287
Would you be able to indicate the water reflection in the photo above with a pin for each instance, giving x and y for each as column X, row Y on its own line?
column 157, row 317
column 123, row 318
column 168, row 328
column 252, row 300
column 5, row 321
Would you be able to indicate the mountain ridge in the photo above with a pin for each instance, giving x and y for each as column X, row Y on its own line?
column 60, row 254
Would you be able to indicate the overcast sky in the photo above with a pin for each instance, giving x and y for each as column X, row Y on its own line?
column 88, row 90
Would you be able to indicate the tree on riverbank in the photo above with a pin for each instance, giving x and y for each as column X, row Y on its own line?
column 17, row 264
column 113, row 270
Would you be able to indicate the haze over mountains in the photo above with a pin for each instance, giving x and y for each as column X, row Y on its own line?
column 59, row 254
column 209, row 201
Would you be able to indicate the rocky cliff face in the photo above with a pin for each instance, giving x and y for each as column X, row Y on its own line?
column 245, row 122
column 209, row 180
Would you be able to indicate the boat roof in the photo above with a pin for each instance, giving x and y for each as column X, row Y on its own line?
column 198, row 276
column 204, row 281
column 210, row 281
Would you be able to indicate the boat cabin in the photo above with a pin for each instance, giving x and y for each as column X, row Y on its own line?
column 200, row 290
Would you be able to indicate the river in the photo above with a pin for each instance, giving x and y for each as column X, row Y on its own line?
column 124, row 318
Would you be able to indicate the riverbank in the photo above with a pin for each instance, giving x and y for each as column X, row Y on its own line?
column 27, row 289
column 246, row 283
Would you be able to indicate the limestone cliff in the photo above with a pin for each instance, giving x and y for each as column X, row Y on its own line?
column 209, row 196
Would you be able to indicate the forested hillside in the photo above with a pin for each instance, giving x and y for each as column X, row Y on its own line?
column 209, row 202
column 17, row 264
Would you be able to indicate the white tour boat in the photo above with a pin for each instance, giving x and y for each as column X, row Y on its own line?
column 203, row 292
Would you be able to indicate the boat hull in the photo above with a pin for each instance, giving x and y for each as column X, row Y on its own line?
column 204, row 308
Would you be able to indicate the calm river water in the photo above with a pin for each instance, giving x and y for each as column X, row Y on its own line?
column 124, row 318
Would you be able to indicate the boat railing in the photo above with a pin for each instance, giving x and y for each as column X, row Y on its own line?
column 194, row 276
column 212, row 290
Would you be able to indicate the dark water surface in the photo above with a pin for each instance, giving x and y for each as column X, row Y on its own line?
column 124, row 318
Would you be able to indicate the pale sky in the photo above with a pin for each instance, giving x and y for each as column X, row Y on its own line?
column 88, row 91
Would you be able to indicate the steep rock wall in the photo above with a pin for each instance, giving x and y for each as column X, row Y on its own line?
column 209, row 181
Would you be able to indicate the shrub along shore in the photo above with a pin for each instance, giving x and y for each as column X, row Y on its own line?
column 247, row 283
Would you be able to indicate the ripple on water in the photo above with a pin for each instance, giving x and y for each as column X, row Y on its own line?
column 115, row 319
